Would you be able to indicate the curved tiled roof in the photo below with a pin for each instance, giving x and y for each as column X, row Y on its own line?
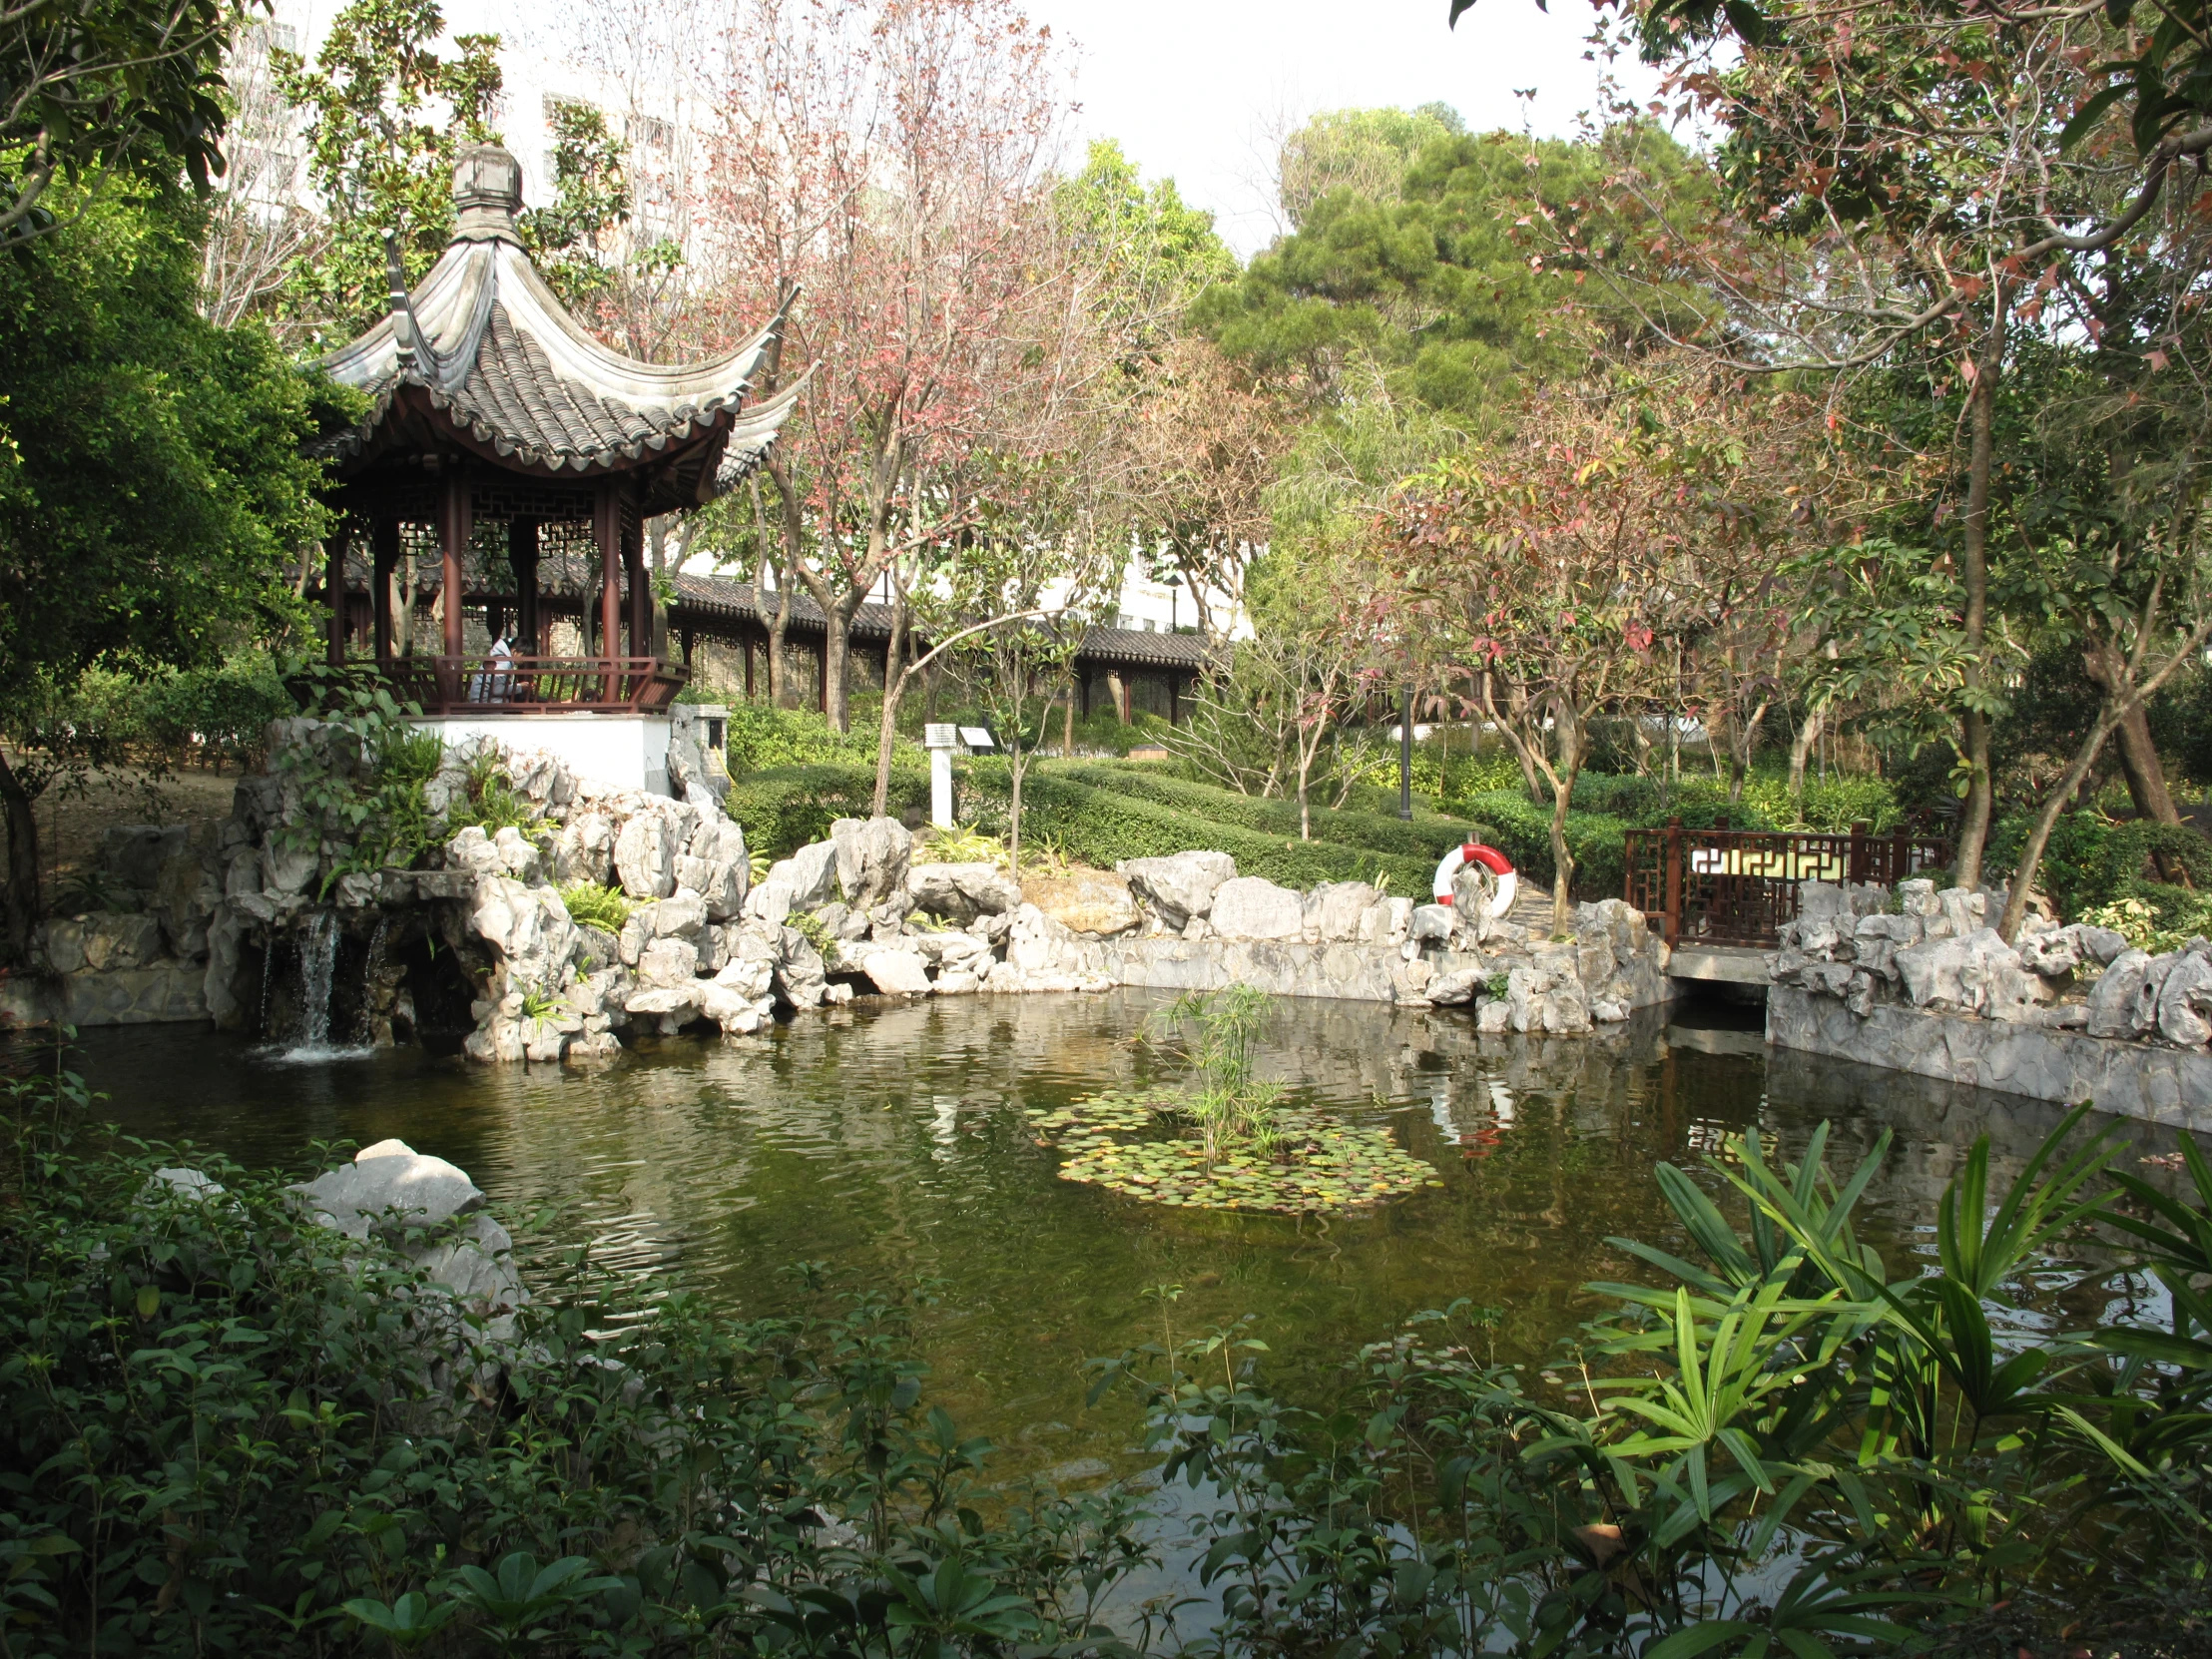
column 717, row 598
column 494, row 350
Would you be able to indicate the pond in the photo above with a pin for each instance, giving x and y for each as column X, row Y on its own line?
column 892, row 1145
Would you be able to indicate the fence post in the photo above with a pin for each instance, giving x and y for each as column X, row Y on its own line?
column 1674, row 881
column 1858, row 864
column 1901, row 856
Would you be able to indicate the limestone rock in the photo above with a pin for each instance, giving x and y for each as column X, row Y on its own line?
column 962, row 893
column 645, row 859
column 667, row 962
column 529, row 927
column 1431, row 924
column 2118, row 1004
column 2184, row 1000
column 896, row 973
column 64, row 940
column 1089, row 903
column 287, row 868
column 1253, row 907
column 137, row 853
column 584, row 850
column 519, row 855
column 113, row 942
column 1334, row 910
column 184, row 898
column 1181, row 885
column 390, row 1184
column 1959, row 971
column 2101, row 945
column 799, row 979
column 872, row 857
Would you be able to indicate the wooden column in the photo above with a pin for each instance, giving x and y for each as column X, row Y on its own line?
column 384, row 551
column 607, row 531
column 333, row 589
column 641, row 591
column 1673, row 894
column 522, row 555
column 748, row 668
column 455, row 522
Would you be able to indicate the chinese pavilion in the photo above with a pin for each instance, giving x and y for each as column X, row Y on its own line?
column 490, row 405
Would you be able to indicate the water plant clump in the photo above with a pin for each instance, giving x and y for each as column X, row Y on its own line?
column 1311, row 1165
column 1233, row 1143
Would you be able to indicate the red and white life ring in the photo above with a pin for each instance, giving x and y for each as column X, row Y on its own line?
column 1491, row 859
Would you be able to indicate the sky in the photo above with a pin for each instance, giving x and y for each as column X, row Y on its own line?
column 1203, row 90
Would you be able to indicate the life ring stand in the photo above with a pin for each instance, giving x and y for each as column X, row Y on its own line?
column 1491, row 859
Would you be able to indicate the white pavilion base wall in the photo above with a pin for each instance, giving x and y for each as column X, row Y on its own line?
column 624, row 752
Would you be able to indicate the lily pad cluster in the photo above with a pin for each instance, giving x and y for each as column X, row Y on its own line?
column 1310, row 1163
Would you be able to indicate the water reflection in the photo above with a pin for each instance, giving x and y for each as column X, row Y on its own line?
column 889, row 1145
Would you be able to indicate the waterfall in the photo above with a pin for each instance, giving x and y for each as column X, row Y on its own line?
column 318, row 967
column 319, row 960
column 364, row 1026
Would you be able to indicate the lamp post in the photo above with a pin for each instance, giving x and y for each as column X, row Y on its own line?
column 1173, row 584
column 1405, row 756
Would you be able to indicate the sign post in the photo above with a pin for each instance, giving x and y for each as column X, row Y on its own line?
column 942, row 742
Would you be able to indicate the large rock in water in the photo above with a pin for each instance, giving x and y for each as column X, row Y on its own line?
column 1253, row 907
column 1181, row 885
column 391, row 1189
column 961, row 892
column 896, row 973
column 1090, row 902
column 644, row 857
column 872, row 858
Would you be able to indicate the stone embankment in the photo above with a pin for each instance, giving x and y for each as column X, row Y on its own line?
column 278, row 932
column 1923, row 984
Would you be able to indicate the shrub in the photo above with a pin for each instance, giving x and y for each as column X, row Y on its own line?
column 784, row 807
column 1430, row 836
column 2092, row 861
column 591, row 906
column 230, row 1431
column 1101, row 824
column 766, row 739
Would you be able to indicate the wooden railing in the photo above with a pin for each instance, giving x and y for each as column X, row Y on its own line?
column 536, row 685
column 1739, row 887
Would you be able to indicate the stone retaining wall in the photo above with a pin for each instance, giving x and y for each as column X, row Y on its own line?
column 481, row 926
column 2130, row 1079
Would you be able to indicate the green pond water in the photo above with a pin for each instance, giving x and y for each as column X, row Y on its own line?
column 892, row 1145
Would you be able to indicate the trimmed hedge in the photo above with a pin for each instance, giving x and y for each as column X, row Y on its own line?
column 1522, row 830
column 1429, row 835
column 784, row 809
column 1099, row 826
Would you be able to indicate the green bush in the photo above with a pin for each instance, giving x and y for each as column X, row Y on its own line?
column 2092, row 861
column 1100, row 825
column 210, row 714
column 766, row 739
column 784, row 807
column 1522, row 832
column 1429, row 835
column 230, row 1431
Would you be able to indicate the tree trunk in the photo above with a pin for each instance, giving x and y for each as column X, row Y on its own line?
column 1016, row 768
column 1562, row 862
column 22, row 879
column 1973, row 822
column 836, row 665
column 2146, row 777
column 2124, row 699
column 1801, row 748
column 895, row 684
column 1067, row 724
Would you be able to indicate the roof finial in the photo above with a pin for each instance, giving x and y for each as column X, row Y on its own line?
column 487, row 194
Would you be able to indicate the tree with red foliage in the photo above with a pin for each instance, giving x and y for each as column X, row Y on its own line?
column 893, row 163
column 1554, row 572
